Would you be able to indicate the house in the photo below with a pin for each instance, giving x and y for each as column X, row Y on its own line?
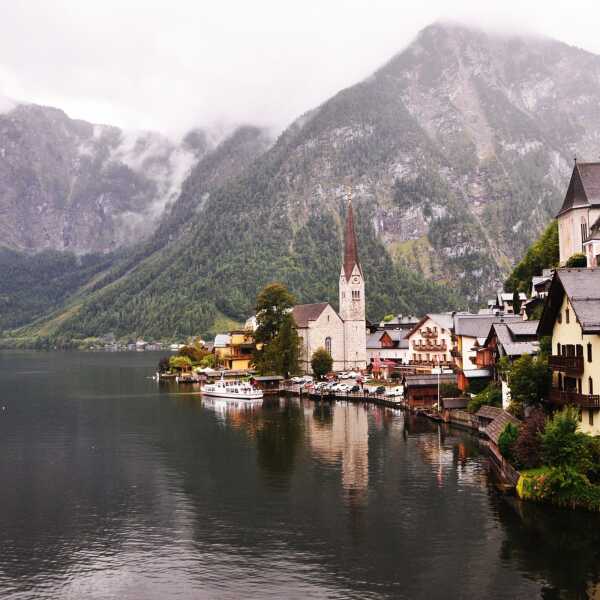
column 504, row 302
column 423, row 391
column 269, row 384
column 579, row 213
column 470, row 331
column 400, row 321
column 389, row 344
column 492, row 421
column 512, row 339
column 234, row 350
column 571, row 317
column 343, row 334
column 430, row 341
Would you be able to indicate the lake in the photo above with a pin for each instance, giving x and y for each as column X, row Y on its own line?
column 113, row 486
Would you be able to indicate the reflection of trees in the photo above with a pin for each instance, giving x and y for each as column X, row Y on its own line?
column 560, row 546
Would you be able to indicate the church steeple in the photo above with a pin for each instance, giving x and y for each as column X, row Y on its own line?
column 350, row 245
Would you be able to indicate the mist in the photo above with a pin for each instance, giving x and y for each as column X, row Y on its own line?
column 170, row 66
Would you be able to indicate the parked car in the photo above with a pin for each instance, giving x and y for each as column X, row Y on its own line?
column 343, row 375
column 380, row 390
column 342, row 387
column 355, row 388
column 297, row 379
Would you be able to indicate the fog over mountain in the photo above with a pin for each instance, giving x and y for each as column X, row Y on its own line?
column 457, row 151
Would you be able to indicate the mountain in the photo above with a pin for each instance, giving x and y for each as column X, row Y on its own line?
column 66, row 184
column 457, row 153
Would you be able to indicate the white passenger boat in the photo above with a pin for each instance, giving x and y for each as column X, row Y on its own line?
column 232, row 390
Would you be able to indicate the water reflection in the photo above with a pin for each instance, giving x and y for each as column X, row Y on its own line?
column 114, row 487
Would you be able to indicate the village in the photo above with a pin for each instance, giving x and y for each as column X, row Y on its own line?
column 487, row 371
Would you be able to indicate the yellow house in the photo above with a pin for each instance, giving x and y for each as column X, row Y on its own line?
column 572, row 317
column 234, row 349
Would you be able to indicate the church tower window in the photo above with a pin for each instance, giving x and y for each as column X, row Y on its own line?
column 328, row 344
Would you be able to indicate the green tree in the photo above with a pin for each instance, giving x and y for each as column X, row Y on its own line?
column 516, row 301
column 543, row 254
column 577, row 260
column 278, row 344
column 507, row 440
column 529, row 379
column 562, row 444
column 287, row 344
column 180, row 363
column 321, row 362
column 490, row 396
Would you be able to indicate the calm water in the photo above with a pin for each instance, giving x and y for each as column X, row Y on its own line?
column 112, row 487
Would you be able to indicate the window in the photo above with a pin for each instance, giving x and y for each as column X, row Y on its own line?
column 583, row 231
column 355, row 294
column 590, row 386
column 591, row 416
column 567, row 315
column 579, row 386
column 328, row 318
column 589, row 352
column 559, row 318
column 328, row 344
column 558, row 349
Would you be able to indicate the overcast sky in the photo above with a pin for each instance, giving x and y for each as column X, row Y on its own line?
column 170, row 65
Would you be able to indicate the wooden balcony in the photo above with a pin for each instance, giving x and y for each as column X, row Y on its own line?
column 429, row 346
column 567, row 364
column 562, row 398
column 428, row 333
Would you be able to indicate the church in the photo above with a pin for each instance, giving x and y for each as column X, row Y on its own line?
column 342, row 334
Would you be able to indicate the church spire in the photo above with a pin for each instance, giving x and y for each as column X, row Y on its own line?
column 350, row 245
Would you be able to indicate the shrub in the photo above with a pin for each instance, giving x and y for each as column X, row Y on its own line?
column 562, row 444
column 449, row 390
column 528, row 447
column 321, row 362
column 530, row 379
column 576, row 260
column 163, row 364
column 507, row 440
column 491, row 396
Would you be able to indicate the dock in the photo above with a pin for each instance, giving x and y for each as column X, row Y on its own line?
column 357, row 397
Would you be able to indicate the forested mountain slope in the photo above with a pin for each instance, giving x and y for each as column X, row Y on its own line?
column 457, row 152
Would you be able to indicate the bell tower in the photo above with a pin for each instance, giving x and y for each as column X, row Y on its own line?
column 352, row 299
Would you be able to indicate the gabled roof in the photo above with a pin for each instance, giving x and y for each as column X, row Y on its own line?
column 443, row 320
column 350, row 245
column 374, row 340
column 582, row 287
column 499, row 419
column 521, row 329
column 303, row 313
column 222, row 340
column 428, row 380
column 478, row 326
column 515, row 344
column 584, row 187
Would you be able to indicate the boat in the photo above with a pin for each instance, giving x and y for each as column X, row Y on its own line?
column 232, row 390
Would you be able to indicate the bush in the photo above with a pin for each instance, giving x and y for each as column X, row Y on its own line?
column 507, row 440
column 164, row 365
column 563, row 445
column 321, row 362
column 577, row 260
column 530, row 380
column 528, row 447
column 449, row 390
column 490, row 396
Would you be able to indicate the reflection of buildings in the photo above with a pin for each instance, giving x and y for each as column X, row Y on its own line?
column 344, row 438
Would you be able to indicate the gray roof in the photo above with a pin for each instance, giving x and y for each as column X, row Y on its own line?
column 303, row 313
column 524, row 328
column 476, row 373
column 584, row 187
column 499, row 418
column 511, row 345
column 478, row 326
column 222, row 340
column 427, row 380
column 268, row 378
column 374, row 340
column 444, row 320
column 582, row 286
column 397, row 334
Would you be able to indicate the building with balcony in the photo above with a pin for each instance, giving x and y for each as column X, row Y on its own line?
column 571, row 317
column 512, row 339
column 388, row 344
column 430, row 341
column 234, row 350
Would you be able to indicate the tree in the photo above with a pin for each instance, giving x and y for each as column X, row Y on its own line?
column 529, row 379
column 490, row 396
column 287, row 344
column 278, row 344
column 321, row 362
column 164, row 364
column 562, row 444
column 180, row 363
column 576, row 260
column 516, row 302
column 507, row 440
column 528, row 447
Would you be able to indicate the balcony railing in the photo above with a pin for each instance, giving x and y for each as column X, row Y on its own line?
column 430, row 346
column 428, row 333
column 572, row 364
column 562, row 397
